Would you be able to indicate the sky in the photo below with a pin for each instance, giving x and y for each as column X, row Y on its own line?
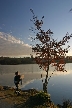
column 15, row 23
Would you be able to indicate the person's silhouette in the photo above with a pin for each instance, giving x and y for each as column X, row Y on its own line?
column 17, row 79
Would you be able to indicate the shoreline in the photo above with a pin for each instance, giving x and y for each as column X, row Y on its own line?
column 26, row 99
column 8, row 98
column 29, row 98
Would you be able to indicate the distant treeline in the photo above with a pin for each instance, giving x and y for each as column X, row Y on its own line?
column 16, row 61
column 25, row 60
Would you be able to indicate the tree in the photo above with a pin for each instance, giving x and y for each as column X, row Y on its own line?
column 48, row 50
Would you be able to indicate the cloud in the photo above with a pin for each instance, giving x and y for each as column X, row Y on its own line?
column 11, row 46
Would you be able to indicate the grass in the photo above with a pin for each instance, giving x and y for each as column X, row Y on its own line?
column 31, row 99
column 27, row 99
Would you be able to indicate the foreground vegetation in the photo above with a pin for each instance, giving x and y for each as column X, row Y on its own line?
column 30, row 99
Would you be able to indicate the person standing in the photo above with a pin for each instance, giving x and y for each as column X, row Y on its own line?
column 17, row 79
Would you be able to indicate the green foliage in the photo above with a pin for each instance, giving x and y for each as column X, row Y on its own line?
column 15, row 61
column 67, row 104
column 25, row 60
column 39, row 99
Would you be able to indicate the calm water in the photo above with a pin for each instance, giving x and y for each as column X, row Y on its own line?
column 60, row 85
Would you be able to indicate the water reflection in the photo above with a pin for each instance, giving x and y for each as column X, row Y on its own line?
column 59, row 86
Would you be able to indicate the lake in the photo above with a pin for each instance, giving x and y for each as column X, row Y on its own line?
column 59, row 86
